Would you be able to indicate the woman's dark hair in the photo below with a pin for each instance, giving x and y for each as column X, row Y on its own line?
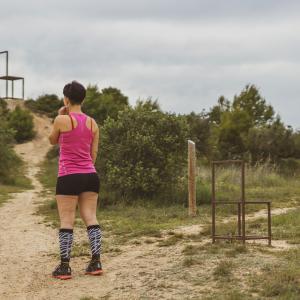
column 75, row 91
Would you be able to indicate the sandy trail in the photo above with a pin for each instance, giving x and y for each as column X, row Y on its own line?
column 143, row 271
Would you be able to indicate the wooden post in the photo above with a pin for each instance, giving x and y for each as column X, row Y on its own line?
column 192, row 177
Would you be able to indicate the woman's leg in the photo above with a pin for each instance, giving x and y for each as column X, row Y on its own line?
column 66, row 205
column 88, row 208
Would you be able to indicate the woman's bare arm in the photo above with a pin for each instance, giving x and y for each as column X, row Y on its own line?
column 53, row 137
column 95, row 143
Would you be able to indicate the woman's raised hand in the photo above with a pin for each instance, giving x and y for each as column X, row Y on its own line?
column 63, row 110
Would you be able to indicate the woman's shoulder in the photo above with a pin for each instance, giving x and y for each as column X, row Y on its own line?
column 95, row 125
column 59, row 119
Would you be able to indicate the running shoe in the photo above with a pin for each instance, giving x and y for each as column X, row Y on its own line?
column 62, row 271
column 94, row 268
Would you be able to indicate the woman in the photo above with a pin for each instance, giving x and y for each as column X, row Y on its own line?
column 77, row 181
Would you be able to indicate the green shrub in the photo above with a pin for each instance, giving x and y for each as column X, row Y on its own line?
column 143, row 153
column 8, row 159
column 101, row 104
column 22, row 122
column 47, row 104
column 3, row 108
column 289, row 167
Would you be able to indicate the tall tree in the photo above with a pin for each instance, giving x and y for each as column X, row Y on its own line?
column 216, row 111
column 250, row 101
column 231, row 121
column 199, row 132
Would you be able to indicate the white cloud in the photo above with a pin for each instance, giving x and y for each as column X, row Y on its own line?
column 185, row 53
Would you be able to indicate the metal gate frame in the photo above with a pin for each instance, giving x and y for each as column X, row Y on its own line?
column 241, row 214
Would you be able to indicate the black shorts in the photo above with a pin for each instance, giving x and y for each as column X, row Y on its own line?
column 74, row 184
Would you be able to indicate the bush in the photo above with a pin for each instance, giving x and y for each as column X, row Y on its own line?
column 22, row 122
column 272, row 142
column 289, row 167
column 8, row 159
column 101, row 104
column 47, row 104
column 3, row 108
column 143, row 153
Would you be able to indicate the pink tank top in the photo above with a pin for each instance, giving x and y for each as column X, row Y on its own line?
column 75, row 148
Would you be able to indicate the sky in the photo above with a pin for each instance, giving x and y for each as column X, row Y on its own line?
column 185, row 53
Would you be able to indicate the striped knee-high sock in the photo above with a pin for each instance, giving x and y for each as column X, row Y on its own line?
column 65, row 243
column 95, row 237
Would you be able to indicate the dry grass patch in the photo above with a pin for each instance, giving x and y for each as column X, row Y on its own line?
column 174, row 239
column 223, row 269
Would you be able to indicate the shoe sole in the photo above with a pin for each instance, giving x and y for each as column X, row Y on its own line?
column 62, row 277
column 95, row 273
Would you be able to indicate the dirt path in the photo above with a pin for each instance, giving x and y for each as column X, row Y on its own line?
column 143, row 271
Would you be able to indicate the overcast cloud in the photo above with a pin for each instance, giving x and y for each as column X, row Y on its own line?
column 185, row 53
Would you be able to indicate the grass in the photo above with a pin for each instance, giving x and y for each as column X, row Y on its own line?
column 287, row 226
column 284, row 227
column 81, row 249
column 281, row 280
column 223, row 269
column 262, row 182
column 236, row 250
column 48, row 173
column 18, row 184
column 171, row 240
column 272, row 274
column 228, row 295
column 131, row 222
column 190, row 261
column 190, row 250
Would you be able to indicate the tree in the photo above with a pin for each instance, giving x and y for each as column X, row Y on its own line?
column 231, row 122
column 199, row 132
column 296, row 139
column 251, row 102
column 273, row 142
column 232, row 133
column 216, row 111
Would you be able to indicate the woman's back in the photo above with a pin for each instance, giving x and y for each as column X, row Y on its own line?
column 75, row 147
